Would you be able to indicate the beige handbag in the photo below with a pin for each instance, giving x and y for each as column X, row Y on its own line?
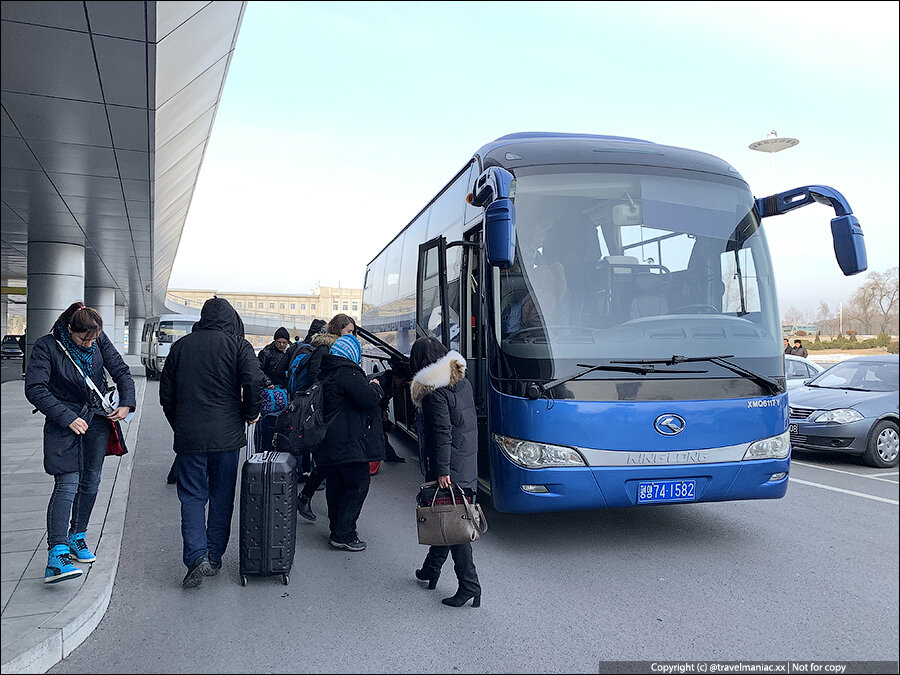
column 442, row 524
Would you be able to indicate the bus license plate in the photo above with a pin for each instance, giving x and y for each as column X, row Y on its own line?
column 666, row 491
column 793, row 428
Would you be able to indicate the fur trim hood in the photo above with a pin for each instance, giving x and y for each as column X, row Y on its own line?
column 444, row 373
column 326, row 339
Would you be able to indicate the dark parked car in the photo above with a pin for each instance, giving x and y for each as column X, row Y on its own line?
column 851, row 408
column 10, row 349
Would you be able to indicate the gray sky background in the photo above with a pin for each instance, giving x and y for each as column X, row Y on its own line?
column 339, row 121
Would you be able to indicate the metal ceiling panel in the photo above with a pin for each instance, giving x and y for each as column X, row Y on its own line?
column 193, row 47
column 123, row 71
column 68, row 15
column 199, row 97
column 170, row 15
column 74, row 158
column 56, row 119
column 129, row 127
column 47, row 61
column 118, row 19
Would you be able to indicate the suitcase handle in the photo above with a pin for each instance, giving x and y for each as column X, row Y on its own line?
column 251, row 450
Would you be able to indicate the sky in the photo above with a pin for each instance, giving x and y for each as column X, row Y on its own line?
column 340, row 121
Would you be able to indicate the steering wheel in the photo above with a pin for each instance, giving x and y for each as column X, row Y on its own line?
column 697, row 309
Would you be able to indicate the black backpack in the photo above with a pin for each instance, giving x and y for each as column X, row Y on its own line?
column 301, row 427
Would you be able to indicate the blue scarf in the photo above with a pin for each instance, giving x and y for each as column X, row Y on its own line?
column 84, row 357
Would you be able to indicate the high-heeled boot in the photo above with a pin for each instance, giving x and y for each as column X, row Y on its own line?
column 431, row 578
column 462, row 598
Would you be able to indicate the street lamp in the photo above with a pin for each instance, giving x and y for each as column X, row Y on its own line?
column 772, row 144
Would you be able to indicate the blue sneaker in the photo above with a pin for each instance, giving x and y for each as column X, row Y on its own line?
column 59, row 565
column 80, row 549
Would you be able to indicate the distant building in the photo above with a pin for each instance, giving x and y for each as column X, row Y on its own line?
column 788, row 329
column 295, row 311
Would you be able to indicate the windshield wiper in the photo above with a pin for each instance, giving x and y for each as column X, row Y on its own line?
column 766, row 382
column 534, row 390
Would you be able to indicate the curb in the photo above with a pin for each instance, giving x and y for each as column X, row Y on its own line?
column 58, row 637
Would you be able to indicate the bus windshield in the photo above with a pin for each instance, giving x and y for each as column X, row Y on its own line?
column 641, row 263
column 171, row 331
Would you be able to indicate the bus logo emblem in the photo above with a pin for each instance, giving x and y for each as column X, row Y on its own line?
column 669, row 424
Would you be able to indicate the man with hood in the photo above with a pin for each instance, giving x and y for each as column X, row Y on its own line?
column 271, row 356
column 209, row 388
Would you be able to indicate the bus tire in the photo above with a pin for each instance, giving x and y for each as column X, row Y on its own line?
column 882, row 447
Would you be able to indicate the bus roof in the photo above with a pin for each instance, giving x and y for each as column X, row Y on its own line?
column 542, row 147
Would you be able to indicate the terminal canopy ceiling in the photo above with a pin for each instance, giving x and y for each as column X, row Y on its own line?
column 107, row 109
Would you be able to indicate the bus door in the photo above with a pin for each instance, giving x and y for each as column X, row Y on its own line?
column 431, row 291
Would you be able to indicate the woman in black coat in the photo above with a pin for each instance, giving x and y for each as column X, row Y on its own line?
column 354, row 438
column 76, row 428
column 449, row 439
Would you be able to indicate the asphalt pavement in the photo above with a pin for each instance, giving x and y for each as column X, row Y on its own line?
column 810, row 576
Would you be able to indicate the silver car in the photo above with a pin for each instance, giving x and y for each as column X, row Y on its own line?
column 850, row 408
column 798, row 369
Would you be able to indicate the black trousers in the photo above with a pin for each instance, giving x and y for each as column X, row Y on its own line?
column 463, row 563
column 346, row 487
column 313, row 481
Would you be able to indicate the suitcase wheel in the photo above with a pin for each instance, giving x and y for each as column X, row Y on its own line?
column 243, row 580
column 285, row 579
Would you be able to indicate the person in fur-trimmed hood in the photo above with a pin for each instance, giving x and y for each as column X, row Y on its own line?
column 448, row 440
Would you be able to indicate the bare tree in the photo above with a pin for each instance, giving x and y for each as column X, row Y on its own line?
column 885, row 290
column 793, row 315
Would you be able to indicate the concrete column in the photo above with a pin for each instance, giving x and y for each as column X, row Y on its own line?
column 4, row 308
column 135, row 330
column 119, row 339
column 103, row 299
column 55, row 281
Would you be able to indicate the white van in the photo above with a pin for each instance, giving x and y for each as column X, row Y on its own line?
column 160, row 333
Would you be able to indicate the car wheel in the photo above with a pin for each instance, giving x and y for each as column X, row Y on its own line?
column 882, row 448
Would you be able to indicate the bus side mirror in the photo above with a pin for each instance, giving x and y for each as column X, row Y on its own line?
column 494, row 190
column 847, row 235
column 500, row 233
column 849, row 247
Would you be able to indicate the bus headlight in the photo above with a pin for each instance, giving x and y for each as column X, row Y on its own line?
column 534, row 455
column 841, row 416
column 776, row 447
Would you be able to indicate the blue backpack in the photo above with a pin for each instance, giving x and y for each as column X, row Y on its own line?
column 297, row 375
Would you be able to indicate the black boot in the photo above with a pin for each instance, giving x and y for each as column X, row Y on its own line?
column 462, row 598
column 430, row 577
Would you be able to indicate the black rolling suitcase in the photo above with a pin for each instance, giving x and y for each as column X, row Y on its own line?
column 268, row 527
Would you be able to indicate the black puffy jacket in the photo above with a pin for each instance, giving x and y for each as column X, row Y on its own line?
column 352, row 404
column 57, row 388
column 211, row 383
column 270, row 362
column 449, row 428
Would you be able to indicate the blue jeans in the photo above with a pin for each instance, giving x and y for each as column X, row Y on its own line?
column 206, row 477
column 74, row 493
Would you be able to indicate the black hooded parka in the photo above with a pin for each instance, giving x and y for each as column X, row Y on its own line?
column 211, row 383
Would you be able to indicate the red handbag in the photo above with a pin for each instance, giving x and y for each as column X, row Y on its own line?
column 115, row 446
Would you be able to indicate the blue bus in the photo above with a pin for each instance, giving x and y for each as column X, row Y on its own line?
column 615, row 302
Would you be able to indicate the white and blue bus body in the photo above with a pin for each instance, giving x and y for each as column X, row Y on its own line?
column 615, row 302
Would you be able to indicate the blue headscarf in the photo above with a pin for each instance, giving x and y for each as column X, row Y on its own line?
column 348, row 347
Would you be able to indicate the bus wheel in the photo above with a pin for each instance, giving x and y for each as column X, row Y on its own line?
column 881, row 450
